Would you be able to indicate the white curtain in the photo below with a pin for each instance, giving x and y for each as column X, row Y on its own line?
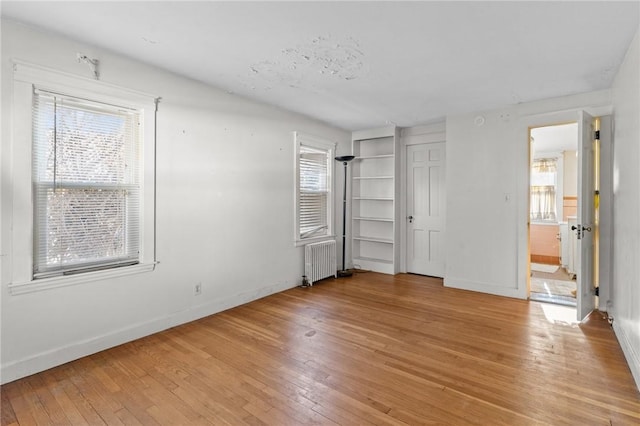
column 543, row 189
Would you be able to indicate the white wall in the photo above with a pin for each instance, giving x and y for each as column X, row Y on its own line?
column 487, row 190
column 625, row 307
column 570, row 174
column 225, row 213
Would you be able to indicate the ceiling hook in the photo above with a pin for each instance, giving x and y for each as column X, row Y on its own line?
column 92, row 63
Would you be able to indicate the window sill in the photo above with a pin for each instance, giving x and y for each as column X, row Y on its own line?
column 306, row 241
column 69, row 280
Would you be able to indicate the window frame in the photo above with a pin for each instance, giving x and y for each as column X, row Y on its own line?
column 301, row 139
column 26, row 79
column 49, row 182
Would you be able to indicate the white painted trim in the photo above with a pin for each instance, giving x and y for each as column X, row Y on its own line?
column 483, row 287
column 524, row 124
column 58, row 356
column 424, row 138
column 402, row 199
column 81, row 278
column 439, row 127
column 605, row 270
column 74, row 85
column 380, row 132
column 630, row 354
column 318, row 143
column 304, row 242
column 26, row 78
column 432, row 133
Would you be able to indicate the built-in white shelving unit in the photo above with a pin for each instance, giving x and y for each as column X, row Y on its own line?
column 375, row 209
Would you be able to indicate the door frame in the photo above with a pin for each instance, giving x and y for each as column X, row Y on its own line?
column 433, row 268
column 431, row 133
column 561, row 191
column 523, row 245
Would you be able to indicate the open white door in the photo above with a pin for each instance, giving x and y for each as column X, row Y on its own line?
column 585, row 227
column 425, row 208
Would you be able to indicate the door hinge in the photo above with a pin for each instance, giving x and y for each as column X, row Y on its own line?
column 596, row 291
column 596, row 135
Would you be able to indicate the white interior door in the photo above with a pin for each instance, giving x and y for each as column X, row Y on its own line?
column 425, row 208
column 585, row 226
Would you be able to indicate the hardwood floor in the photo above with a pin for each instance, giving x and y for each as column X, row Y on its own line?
column 371, row 349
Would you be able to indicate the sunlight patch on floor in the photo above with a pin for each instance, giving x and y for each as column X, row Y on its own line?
column 557, row 314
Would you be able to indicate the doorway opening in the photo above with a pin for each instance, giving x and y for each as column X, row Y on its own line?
column 553, row 210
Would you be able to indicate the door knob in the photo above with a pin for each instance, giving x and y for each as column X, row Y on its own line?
column 410, row 219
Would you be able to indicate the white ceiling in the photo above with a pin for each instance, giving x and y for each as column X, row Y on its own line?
column 563, row 137
column 363, row 64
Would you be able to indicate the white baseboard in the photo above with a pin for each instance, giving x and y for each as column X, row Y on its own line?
column 632, row 357
column 58, row 356
column 482, row 287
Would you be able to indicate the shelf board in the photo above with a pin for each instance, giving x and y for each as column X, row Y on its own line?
column 374, row 240
column 373, row 198
column 374, row 219
column 373, row 177
column 374, row 157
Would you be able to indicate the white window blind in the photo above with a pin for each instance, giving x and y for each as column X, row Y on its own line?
column 314, row 191
column 86, row 185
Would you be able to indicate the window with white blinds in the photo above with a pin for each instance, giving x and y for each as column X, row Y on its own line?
column 86, row 185
column 315, row 188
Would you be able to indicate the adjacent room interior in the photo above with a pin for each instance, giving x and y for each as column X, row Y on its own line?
column 554, row 201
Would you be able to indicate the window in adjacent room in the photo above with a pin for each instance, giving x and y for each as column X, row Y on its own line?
column 86, row 185
column 544, row 181
column 314, row 188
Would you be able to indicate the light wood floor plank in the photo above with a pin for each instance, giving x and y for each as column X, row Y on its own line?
column 370, row 349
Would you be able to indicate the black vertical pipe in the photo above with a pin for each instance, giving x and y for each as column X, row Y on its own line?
column 345, row 159
column 344, row 216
